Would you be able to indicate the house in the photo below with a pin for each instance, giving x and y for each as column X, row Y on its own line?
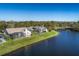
column 17, row 32
column 2, row 39
column 40, row 29
column 30, row 28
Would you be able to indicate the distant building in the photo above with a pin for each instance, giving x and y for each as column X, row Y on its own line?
column 17, row 32
column 30, row 28
column 40, row 29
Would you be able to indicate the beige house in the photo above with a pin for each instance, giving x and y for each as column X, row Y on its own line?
column 17, row 32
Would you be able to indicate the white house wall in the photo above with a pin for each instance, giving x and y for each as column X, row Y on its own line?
column 27, row 33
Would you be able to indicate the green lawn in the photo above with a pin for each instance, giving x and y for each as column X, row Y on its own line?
column 11, row 45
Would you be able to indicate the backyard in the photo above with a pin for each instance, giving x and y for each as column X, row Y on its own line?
column 11, row 45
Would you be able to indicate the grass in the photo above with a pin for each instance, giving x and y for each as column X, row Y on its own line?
column 11, row 45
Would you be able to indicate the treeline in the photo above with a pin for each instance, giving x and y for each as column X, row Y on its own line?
column 49, row 24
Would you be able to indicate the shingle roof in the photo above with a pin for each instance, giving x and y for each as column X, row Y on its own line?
column 13, row 30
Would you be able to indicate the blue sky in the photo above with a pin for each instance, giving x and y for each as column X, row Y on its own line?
column 39, row 12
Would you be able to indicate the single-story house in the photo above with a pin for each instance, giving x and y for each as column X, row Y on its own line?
column 17, row 32
column 40, row 29
column 30, row 28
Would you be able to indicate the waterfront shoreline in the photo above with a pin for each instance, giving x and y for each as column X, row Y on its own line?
column 33, row 39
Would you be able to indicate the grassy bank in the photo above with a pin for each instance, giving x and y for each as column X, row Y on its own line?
column 11, row 45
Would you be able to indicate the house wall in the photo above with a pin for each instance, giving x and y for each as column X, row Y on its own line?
column 27, row 33
column 17, row 35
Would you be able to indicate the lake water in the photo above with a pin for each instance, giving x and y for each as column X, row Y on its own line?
column 65, row 44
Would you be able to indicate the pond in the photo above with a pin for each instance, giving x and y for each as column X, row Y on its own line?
column 65, row 44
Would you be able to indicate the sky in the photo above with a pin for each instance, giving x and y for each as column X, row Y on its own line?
column 39, row 11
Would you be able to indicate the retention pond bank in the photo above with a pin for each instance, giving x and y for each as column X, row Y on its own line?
column 10, row 45
column 64, row 44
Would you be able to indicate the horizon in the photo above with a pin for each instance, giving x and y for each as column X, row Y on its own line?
column 68, row 12
column 35, row 21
